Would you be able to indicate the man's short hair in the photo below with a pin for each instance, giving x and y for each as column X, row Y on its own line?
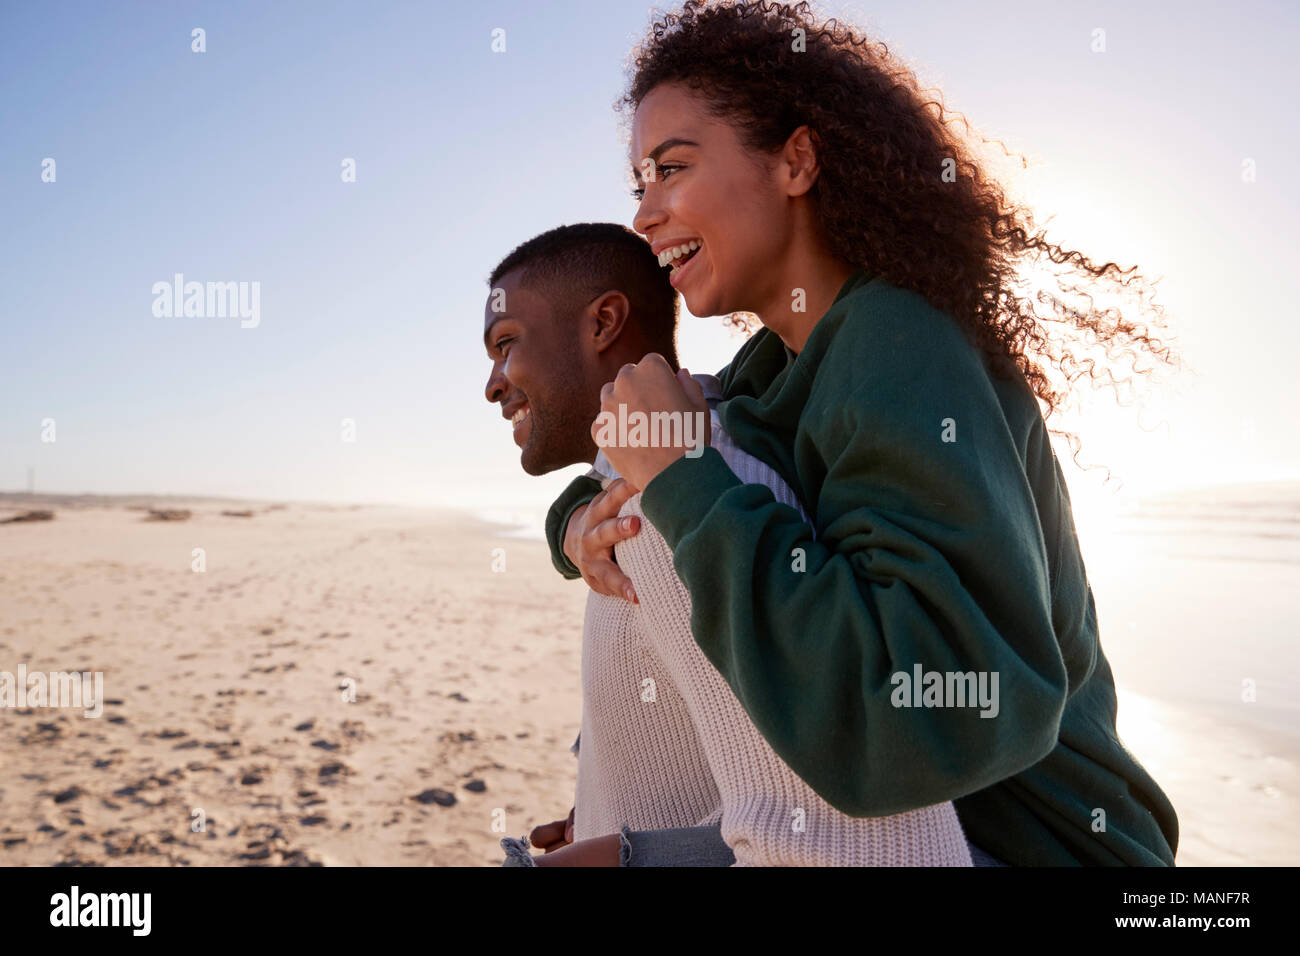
column 571, row 265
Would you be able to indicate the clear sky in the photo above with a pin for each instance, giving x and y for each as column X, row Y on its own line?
column 225, row 166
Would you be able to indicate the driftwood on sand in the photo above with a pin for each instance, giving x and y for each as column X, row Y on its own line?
column 29, row 516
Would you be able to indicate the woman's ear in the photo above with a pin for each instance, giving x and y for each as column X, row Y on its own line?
column 799, row 161
column 608, row 316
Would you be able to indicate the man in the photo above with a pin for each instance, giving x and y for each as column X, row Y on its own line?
column 566, row 311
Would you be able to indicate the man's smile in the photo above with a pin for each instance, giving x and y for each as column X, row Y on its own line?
column 520, row 417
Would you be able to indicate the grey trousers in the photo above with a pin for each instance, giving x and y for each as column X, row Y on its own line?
column 684, row 846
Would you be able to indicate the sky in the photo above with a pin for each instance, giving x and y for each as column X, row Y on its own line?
column 227, row 166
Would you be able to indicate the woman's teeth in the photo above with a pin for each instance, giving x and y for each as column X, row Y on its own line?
column 670, row 256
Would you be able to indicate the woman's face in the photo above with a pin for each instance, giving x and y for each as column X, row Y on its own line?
column 705, row 187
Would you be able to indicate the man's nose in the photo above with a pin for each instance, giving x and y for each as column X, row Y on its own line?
column 496, row 385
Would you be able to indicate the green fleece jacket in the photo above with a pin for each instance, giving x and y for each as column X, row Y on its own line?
column 942, row 541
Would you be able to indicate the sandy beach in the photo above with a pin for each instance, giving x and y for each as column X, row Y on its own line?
column 225, row 692
column 1196, row 597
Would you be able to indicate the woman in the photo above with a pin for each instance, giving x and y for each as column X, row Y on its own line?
column 792, row 170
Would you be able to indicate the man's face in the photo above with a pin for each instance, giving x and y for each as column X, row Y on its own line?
column 538, row 376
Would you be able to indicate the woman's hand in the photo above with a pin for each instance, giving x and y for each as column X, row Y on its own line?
column 592, row 532
column 640, row 391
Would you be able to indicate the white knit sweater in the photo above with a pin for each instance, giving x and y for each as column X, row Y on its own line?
column 665, row 743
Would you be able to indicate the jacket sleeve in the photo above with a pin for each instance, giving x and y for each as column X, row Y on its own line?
column 770, row 817
column 926, row 554
column 580, row 491
column 737, row 376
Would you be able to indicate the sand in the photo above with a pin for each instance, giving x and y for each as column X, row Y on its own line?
column 224, row 696
column 1235, row 791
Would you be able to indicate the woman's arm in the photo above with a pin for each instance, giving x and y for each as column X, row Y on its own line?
column 575, row 497
column 564, row 521
column 770, row 817
column 928, row 555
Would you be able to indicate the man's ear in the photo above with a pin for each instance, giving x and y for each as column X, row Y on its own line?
column 608, row 317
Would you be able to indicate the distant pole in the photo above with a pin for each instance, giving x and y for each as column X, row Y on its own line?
column 31, row 480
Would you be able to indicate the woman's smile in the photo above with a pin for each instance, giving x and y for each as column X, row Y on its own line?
column 681, row 270
column 678, row 257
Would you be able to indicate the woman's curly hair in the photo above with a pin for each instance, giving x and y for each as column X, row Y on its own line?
column 900, row 194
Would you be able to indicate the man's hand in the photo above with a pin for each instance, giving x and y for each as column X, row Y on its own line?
column 598, row 851
column 593, row 531
column 552, row 836
column 644, row 390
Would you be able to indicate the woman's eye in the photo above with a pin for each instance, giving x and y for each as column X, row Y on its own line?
column 664, row 171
